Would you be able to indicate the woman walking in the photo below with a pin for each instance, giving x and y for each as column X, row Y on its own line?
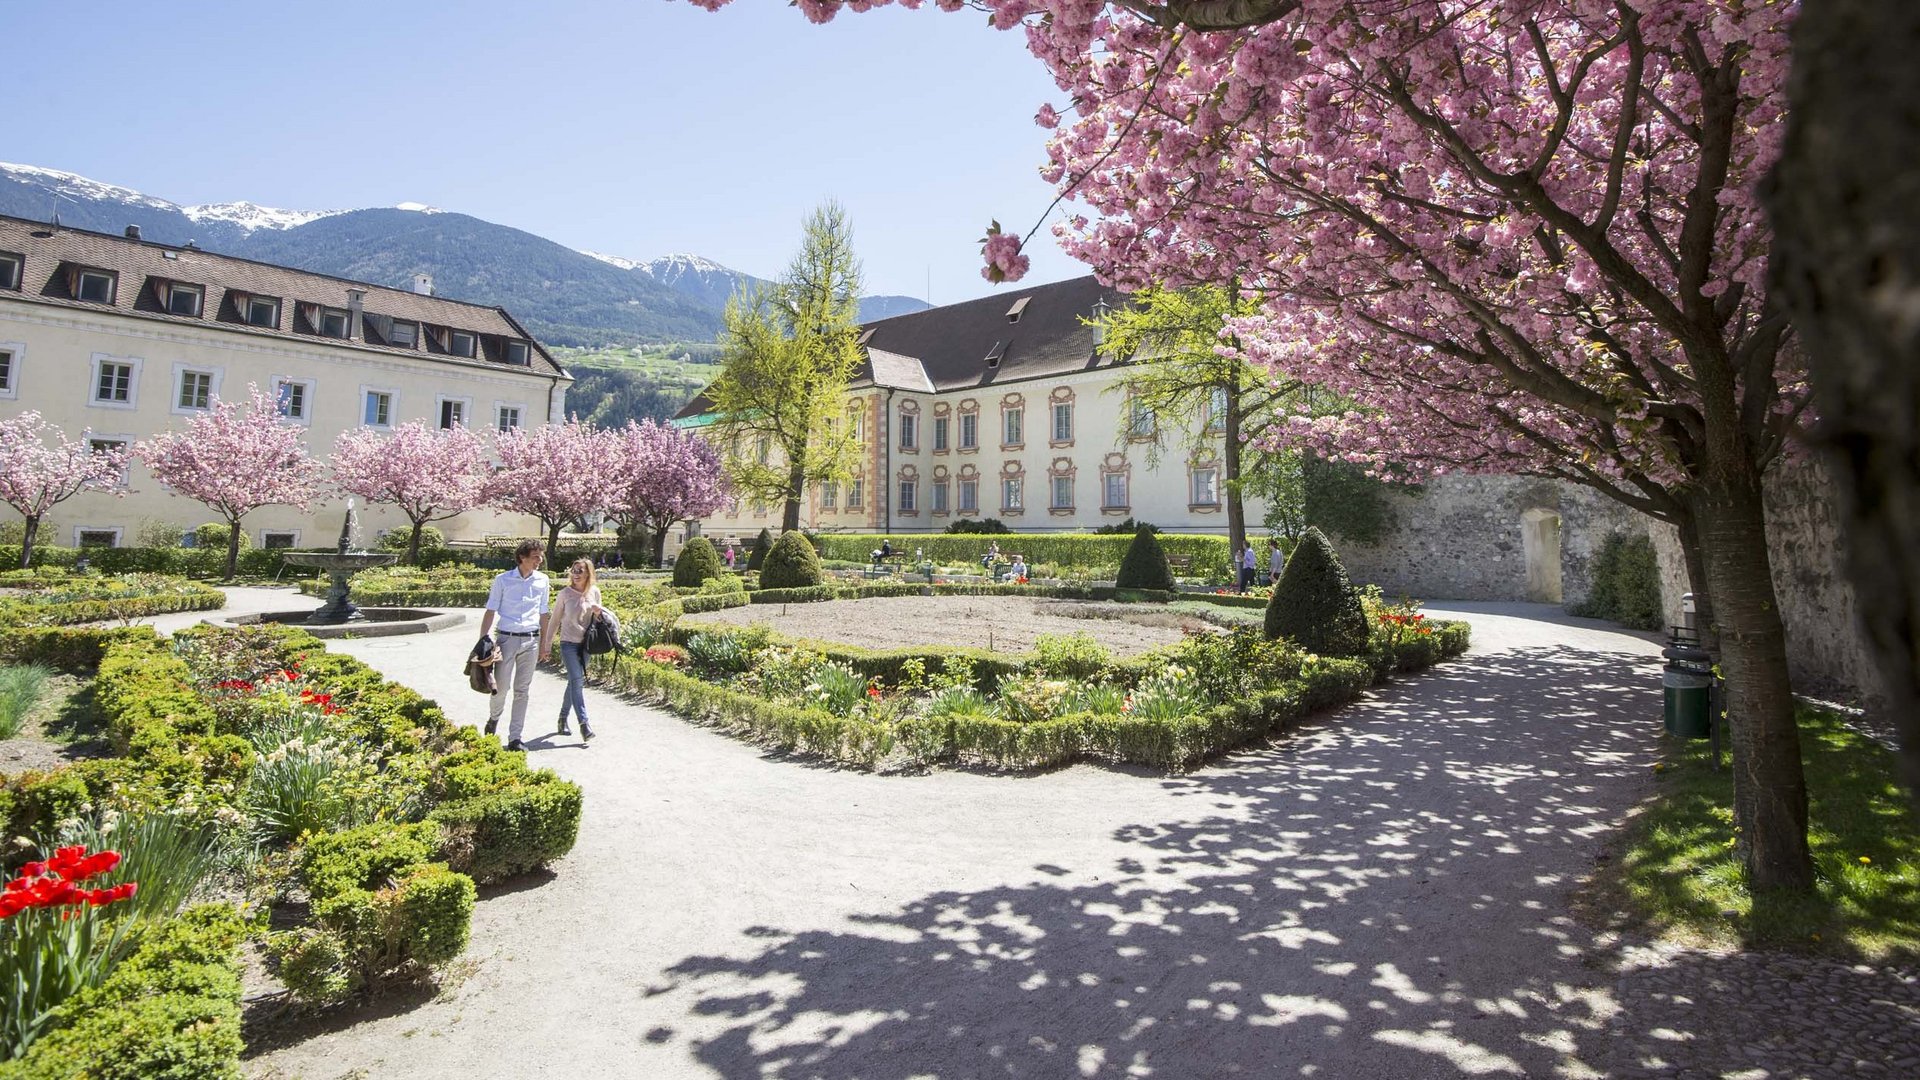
column 575, row 607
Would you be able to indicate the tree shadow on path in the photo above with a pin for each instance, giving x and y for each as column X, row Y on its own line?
column 1382, row 895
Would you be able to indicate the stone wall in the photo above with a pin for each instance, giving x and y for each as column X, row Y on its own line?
column 1465, row 538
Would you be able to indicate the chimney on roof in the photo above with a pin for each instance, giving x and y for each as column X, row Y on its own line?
column 133, row 232
column 355, row 312
column 423, row 284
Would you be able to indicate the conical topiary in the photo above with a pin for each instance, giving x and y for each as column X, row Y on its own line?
column 697, row 563
column 792, row 564
column 1145, row 565
column 757, row 558
column 1314, row 605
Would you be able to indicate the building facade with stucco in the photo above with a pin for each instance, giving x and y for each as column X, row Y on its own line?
column 1004, row 407
column 115, row 339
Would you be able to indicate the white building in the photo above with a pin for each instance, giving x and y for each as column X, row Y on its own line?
column 1003, row 408
column 120, row 338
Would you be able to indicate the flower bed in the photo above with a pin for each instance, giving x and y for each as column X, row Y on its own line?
column 63, row 600
column 1069, row 700
column 363, row 796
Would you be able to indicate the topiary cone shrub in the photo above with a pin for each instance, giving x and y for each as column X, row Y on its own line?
column 757, row 558
column 697, row 563
column 1314, row 605
column 1145, row 564
column 791, row 564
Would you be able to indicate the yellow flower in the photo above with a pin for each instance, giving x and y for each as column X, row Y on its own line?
column 1659, row 766
column 1864, row 861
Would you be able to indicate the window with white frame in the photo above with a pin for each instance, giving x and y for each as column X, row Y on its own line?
column 279, row 540
column 86, row 537
column 294, row 398
column 453, row 412
column 829, row 495
column 517, row 353
column 10, row 265
column 909, row 495
column 507, row 418
column 857, row 493
column 939, row 434
column 1062, row 493
column 114, row 382
column 461, row 343
column 857, row 422
column 1216, row 410
column 94, row 286
column 195, row 391
column 939, row 496
column 9, row 370
column 262, row 311
column 403, row 334
column 1140, row 421
column 103, row 444
column 1012, row 488
column 909, row 431
column 1012, row 427
column 969, row 430
column 183, row 299
column 378, row 410
column 334, row 323
column 1115, row 494
column 1063, row 421
column 1206, row 486
column 969, row 496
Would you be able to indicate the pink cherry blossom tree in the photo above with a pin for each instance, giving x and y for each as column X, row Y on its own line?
column 665, row 476
column 1521, row 235
column 41, row 468
column 236, row 458
column 556, row 472
column 431, row 474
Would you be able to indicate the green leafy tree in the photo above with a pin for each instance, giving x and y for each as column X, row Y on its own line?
column 787, row 354
column 1175, row 333
column 1314, row 604
column 1145, row 564
column 792, row 564
column 757, row 558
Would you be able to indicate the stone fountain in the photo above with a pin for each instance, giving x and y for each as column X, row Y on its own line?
column 342, row 564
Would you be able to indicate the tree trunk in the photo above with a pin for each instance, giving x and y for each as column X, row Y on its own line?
column 1846, row 256
column 659, row 547
column 1770, row 794
column 26, row 540
column 1236, row 504
column 796, row 486
column 233, row 547
column 413, row 544
column 553, row 543
column 1697, row 582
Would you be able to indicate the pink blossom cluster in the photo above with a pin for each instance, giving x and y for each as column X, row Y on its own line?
column 1004, row 261
column 664, row 476
column 429, row 473
column 40, row 467
column 237, row 457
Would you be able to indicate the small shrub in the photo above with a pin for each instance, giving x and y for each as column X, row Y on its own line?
column 508, row 832
column 984, row 526
column 213, row 535
column 725, row 583
column 762, row 544
column 1314, row 605
column 1145, row 564
column 719, row 652
column 431, row 539
column 21, row 688
column 1125, row 528
column 697, row 563
column 1071, row 656
column 1626, row 584
column 653, row 626
column 792, row 563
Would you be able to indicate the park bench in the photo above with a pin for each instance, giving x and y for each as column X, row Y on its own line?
column 893, row 565
column 1181, row 565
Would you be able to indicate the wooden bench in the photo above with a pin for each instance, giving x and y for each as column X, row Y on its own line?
column 1180, row 564
column 893, row 565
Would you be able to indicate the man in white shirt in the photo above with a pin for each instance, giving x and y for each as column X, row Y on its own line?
column 1276, row 562
column 519, row 601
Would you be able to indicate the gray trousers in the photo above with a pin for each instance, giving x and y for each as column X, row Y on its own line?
column 514, row 674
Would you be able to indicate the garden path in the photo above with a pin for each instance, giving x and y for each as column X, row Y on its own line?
column 1383, row 894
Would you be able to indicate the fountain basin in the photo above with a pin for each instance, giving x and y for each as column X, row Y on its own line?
column 341, row 565
column 375, row 622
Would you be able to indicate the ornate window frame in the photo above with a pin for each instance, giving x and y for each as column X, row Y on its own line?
column 1116, row 464
column 969, row 474
column 1015, row 404
column 1061, row 395
column 942, row 414
column 968, row 407
column 908, row 408
column 941, row 482
column 1013, row 472
column 1062, row 468
column 906, row 474
column 1205, row 460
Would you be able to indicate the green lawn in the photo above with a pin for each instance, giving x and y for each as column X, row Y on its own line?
column 1679, row 871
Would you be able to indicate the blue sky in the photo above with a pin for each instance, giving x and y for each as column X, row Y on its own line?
column 633, row 127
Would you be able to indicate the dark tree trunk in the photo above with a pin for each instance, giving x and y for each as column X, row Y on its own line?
column 1697, row 581
column 796, row 486
column 1770, row 794
column 1846, row 206
column 1236, row 505
column 659, row 547
column 233, row 547
column 553, row 544
column 413, row 544
column 26, row 540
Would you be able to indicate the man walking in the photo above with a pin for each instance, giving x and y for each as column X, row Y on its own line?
column 520, row 599
column 1247, row 563
column 1276, row 562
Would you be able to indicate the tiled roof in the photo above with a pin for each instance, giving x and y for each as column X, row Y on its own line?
column 899, row 372
column 53, row 254
column 952, row 343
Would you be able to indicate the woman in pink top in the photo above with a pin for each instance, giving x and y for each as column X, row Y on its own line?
column 576, row 606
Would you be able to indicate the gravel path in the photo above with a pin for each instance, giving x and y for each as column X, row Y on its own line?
column 1002, row 623
column 1383, row 895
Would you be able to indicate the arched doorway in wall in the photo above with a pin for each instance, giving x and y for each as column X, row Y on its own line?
column 1540, row 546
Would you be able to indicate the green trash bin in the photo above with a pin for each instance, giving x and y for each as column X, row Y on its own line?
column 1688, row 685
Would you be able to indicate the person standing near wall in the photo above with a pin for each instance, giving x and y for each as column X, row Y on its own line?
column 1276, row 561
column 519, row 600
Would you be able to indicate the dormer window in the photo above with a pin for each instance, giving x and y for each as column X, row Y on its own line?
column 260, row 311
column 461, row 343
column 333, row 322
column 1020, row 305
column 996, row 354
column 865, row 336
column 10, row 270
column 517, row 352
column 182, row 299
column 94, row 286
column 403, row 334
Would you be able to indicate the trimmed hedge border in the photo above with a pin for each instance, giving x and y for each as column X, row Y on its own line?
column 1091, row 550
column 28, row 611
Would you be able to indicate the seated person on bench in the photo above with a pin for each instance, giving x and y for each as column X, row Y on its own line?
column 882, row 553
column 992, row 556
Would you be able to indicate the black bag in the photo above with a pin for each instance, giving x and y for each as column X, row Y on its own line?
column 603, row 635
